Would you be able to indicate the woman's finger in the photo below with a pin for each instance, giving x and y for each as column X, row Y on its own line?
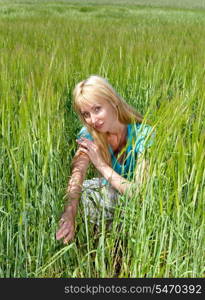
column 63, row 225
column 68, row 238
column 84, row 150
column 85, row 142
column 82, row 143
column 61, row 221
column 61, row 232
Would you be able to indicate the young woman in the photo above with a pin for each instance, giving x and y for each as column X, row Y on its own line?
column 114, row 140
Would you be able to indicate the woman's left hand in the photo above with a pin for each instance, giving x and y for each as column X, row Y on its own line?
column 92, row 150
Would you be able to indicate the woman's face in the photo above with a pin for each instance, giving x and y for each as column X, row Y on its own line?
column 100, row 115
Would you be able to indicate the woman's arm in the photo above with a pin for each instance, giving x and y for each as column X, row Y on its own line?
column 118, row 182
column 79, row 167
column 121, row 184
column 142, row 171
column 67, row 222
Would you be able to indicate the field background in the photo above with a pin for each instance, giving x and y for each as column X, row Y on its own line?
column 153, row 54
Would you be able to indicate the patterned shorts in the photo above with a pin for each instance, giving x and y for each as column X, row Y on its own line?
column 99, row 200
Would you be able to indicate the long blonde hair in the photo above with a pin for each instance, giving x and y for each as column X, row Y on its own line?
column 93, row 88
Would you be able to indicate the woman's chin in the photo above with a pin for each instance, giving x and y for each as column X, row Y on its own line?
column 101, row 128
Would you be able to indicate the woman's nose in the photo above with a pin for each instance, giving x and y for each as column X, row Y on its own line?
column 93, row 119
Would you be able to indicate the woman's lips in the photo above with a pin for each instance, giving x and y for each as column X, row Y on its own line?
column 98, row 126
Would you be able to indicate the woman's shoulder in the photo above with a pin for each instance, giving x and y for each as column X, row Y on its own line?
column 84, row 133
column 141, row 134
column 140, row 129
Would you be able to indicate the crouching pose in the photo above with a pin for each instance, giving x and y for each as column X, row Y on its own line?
column 114, row 139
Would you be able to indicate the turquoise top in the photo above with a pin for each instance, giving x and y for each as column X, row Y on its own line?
column 139, row 137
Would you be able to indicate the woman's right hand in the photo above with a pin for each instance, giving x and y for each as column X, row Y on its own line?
column 67, row 227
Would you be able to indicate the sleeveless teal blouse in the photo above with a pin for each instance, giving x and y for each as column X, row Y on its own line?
column 139, row 137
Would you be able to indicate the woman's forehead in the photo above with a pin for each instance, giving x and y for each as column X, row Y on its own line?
column 88, row 104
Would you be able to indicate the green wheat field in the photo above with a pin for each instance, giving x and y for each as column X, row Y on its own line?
column 152, row 52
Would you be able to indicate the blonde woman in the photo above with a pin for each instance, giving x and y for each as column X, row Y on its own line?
column 114, row 139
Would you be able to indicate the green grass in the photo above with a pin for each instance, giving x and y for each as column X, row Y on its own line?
column 153, row 54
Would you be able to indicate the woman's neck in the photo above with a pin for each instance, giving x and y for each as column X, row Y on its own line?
column 118, row 138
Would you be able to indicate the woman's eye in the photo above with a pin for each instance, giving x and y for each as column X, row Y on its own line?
column 97, row 108
column 85, row 115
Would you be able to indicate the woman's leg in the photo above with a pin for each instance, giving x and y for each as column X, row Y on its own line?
column 99, row 200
